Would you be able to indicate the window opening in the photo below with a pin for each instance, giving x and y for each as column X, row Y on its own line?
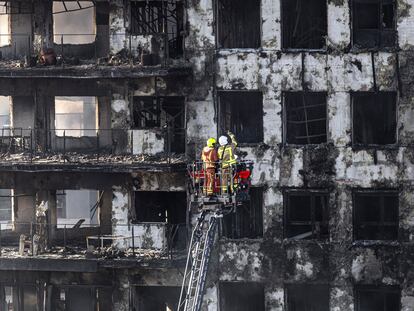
column 241, row 296
column 74, row 21
column 374, row 117
column 247, row 221
column 306, row 215
column 160, row 16
column 5, row 111
column 160, row 206
column 75, row 298
column 163, row 298
column 238, row 24
column 307, row 297
column 241, row 112
column 376, row 215
column 78, row 207
column 304, row 24
column 305, row 117
column 373, row 23
column 76, row 116
column 374, row 298
column 5, row 36
column 6, row 199
column 167, row 113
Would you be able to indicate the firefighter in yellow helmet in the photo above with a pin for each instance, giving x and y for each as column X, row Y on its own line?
column 226, row 154
column 209, row 158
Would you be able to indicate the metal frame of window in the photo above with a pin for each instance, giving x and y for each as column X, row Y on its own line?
column 312, row 193
column 222, row 291
column 25, row 7
column 220, row 6
column 380, row 28
column 381, row 223
column 80, row 6
column 156, row 17
column 152, row 108
column 308, row 293
column 381, row 289
column 290, row 49
column 354, row 95
column 306, row 121
column 254, row 212
column 227, row 118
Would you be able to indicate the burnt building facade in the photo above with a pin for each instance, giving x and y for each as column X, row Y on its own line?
column 104, row 103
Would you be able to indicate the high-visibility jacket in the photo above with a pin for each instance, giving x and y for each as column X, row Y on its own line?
column 226, row 153
column 209, row 157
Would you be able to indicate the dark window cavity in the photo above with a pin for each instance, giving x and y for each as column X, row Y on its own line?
column 305, row 117
column 376, row 215
column 374, row 298
column 164, row 207
column 374, row 117
column 160, row 17
column 242, row 113
column 241, row 296
column 81, row 298
column 247, row 221
column 304, row 24
column 238, row 23
column 373, row 23
column 149, row 298
column 160, row 206
column 307, row 297
column 165, row 113
column 306, row 214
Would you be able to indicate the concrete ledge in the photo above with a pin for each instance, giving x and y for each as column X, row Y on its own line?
column 94, row 72
column 48, row 264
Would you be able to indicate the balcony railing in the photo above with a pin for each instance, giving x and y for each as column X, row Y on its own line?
column 36, row 238
column 89, row 142
column 78, row 49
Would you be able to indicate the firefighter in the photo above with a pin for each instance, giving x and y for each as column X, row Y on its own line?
column 226, row 154
column 209, row 157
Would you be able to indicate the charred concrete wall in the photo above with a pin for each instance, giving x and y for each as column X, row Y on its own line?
column 336, row 166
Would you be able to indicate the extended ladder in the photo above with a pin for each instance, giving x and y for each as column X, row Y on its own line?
column 202, row 240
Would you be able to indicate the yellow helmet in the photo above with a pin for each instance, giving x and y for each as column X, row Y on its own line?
column 211, row 142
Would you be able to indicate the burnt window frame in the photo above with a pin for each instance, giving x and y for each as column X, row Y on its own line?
column 259, row 286
column 256, row 221
column 354, row 95
column 287, row 193
column 171, row 132
column 382, row 289
column 217, row 31
column 138, row 292
column 375, row 192
column 282, row 35
column 379, row 30
column 96, row 290
column 222, row 115
column 285, row 114
column 134, row 215
column 161, row 24
column 306, row 289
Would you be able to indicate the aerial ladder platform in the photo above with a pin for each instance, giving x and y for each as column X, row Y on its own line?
column 227, row 195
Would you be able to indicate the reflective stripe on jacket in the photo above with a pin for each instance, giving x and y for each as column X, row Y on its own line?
column 226, row 153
